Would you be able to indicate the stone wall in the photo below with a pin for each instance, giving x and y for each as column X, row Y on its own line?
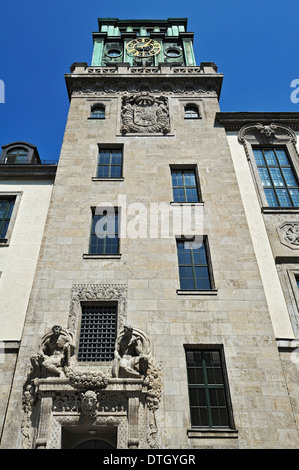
column 235, row 316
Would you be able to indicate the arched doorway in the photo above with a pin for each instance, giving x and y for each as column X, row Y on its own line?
column 94, row 444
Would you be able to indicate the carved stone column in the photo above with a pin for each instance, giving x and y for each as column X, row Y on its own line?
column 133, row 441
column 44, row 421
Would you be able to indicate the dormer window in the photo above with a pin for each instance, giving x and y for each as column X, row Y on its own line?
column 98, row 112
column 191, row 111
column 17, row 155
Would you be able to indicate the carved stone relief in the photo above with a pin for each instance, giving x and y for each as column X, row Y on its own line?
column 57, row 391
column 289, row 234
column 144, row 113
column 97, row 293
column 155, row 85
column 272, row 133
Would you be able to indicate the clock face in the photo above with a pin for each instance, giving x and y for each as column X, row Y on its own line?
column 143, row 47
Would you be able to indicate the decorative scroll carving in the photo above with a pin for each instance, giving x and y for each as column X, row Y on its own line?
column 289, row 234
column 144, row 113
column 266, row 133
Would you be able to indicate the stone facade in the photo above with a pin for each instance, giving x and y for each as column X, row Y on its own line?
column 143, row 278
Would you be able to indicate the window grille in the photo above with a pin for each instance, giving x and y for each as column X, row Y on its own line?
column 97, row 332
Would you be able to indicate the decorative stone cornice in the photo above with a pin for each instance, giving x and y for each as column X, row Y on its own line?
column 234, row 121
column 121, row 79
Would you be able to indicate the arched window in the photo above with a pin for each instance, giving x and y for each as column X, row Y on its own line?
column 191, row 111
column 17, row 155
column 98, row 112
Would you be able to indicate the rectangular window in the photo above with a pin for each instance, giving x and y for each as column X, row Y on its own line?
column 194, row 266
column 110, row 163
column 97, row 332
column 6, row 208
column 184, row 185
column 277, row 176
column 104, row 238
column 208, row 394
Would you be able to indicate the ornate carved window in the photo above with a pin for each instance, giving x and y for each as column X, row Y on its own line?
column 277, row 176
column 271, row 151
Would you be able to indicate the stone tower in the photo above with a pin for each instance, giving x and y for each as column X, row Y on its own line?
column 147, row 325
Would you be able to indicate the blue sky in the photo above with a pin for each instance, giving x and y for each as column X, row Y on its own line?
column 254, row 44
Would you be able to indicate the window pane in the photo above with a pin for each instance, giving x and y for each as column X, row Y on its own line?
column 270, row 157
column 271, row 197
column 178, row 195
column 191, row 195
column 189, row 178
column 283, row 198
column 282, row 157
column 265, row 178
column 289, row 177
column 259, row 158
column 276, row 177
column 294, row 193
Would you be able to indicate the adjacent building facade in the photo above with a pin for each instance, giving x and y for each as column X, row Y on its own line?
column 25, row 190
column 163, row 311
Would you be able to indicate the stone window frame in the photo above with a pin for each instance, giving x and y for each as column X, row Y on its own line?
column 16, row 195
column 95, row 293
column 272, row 135
column 288, row 271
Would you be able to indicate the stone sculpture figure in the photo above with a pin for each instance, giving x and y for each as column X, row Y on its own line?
column 132, row 353
column 55, row 353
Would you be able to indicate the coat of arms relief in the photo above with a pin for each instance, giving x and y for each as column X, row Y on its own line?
column 144, row 113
